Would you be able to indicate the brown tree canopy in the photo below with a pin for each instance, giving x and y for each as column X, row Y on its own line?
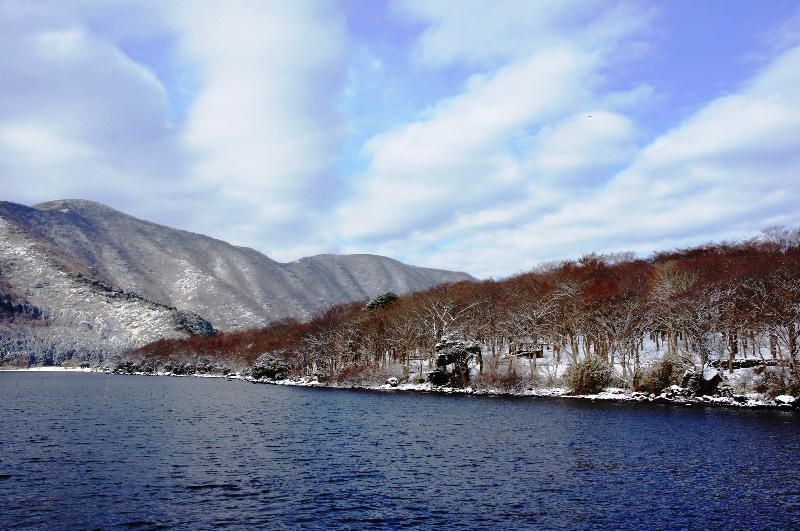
column 691, row 300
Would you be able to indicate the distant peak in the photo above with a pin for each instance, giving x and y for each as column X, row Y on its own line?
column 72, row 204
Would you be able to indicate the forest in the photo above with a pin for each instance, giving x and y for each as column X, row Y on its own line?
column 601, row 320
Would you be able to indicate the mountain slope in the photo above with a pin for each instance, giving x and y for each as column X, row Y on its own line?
column 79, row 256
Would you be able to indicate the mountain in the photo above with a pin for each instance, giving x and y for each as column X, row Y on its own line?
column 78, row 274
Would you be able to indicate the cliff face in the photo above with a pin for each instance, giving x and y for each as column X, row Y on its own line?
column 99, row 276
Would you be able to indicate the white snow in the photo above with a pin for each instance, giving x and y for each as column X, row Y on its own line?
column 52, row 369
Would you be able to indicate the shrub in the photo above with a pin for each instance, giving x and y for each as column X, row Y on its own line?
column 663, row 373
column 775, row 381
column 588, row 376
column 438, row 378
column 508, row 381
column 269, row 366
column 363, row 376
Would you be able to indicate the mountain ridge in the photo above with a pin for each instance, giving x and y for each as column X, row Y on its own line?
column 89, row 267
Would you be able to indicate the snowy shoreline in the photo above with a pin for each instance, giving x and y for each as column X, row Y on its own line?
column 49, row 369
column 674, row 395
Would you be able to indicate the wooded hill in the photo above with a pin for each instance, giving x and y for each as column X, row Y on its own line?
column 718, row 303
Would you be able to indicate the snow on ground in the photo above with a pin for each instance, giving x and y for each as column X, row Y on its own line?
column 549, row 371
column 674, row 394
column 51, row 369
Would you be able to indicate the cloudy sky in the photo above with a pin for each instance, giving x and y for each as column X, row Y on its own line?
column 483, row 136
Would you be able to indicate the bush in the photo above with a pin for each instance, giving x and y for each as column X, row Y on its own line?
column 438, row 378
column 775, row 381
column 663, row 373
column 588, row 376
column 363, row 376
column 509, row 381
column 271, row 367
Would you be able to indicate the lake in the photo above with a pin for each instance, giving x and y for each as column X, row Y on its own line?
column 88, row 450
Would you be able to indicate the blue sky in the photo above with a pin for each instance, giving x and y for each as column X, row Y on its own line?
column 479, row 136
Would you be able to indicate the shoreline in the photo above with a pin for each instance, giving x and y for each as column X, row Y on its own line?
column 671, row 396
column 49, row 369
column 674, row 395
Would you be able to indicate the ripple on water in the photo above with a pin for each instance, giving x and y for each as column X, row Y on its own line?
column 200, row 453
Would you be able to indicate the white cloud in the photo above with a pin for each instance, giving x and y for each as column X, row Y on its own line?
column 577, row 152
column 263, row 127
column 38, row 143
column 35, row 150
column 743, row 142
column 519, row 127
column 459, row 156
column 76, row 113
column 730, row 169
column 238, row 120
column 491, row 33
column 250, row 159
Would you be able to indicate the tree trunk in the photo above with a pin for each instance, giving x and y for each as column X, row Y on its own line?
column 733, row 349
column 573, row 343
column 793, row 348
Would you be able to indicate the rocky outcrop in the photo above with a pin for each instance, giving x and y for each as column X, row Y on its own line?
column 700, row 384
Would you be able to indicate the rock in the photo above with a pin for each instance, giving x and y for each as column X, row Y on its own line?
column 786, row 400
column 699, row 384
column 456, row 351
column 392, row 381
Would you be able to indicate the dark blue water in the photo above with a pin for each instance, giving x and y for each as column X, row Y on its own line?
column 193, row 453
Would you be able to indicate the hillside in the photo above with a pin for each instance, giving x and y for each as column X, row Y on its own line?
column 79, row 275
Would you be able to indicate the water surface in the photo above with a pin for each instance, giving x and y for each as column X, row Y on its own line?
column 97, row 451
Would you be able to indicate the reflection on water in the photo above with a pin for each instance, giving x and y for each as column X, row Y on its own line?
column 91, row 450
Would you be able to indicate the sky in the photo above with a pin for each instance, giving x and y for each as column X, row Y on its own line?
column 479, row 136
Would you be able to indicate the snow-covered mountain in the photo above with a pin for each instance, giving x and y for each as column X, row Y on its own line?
column 94, row 272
